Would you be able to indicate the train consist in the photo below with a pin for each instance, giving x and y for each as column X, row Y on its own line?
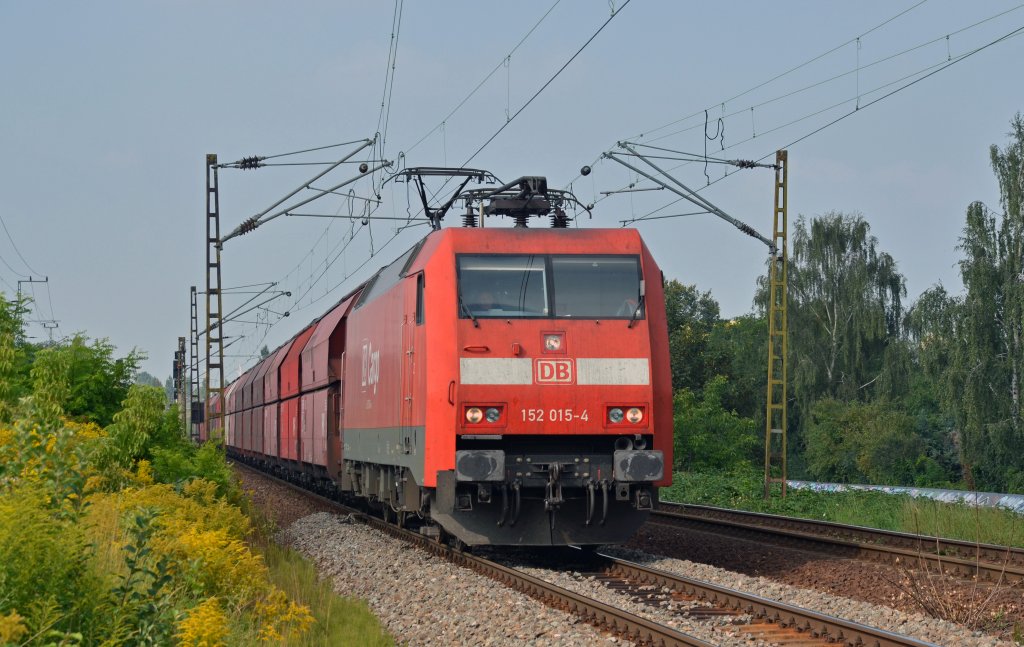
column 506, row 386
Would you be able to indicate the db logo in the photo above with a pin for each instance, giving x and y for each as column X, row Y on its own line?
column 553, row 371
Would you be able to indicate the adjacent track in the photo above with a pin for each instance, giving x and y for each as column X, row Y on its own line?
column 773, row 620
column 988, row 563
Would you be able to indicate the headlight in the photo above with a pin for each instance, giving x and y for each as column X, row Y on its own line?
column 615, row 415
column 493, row 413
column 474, row 415
column 635, row 415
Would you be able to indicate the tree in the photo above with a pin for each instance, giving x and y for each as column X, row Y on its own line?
column 845, row 306
column 85, row 380
column 14, row 360
column 854, row 442
column 149, row 380
column 709, row 437
column 691, row 316
column 987, row 360
column 933, row 327
column 738, row 349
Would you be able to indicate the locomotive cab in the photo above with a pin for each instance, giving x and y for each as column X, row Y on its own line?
column 562, row 402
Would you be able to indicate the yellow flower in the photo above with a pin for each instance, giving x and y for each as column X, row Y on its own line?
column 205, row 626
column 144, row 473
column 12, row 628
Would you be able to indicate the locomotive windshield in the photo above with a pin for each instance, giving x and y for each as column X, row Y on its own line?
column 542, row 286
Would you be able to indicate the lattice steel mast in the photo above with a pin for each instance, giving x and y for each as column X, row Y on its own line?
column 775, row 413
column 214, row 305
column 775, row 424
column 195, row 401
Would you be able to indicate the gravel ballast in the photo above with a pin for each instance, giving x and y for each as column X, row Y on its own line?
column 423, row 600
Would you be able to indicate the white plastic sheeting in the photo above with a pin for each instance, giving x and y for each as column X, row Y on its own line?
column 1013, row 502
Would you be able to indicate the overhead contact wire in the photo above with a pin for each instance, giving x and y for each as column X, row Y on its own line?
column 787, row 72
column 934, row 69
column 485, row 79
column 549, row 81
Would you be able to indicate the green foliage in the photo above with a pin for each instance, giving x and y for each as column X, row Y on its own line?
column 851, row 442
column 143, row 600
column 738, row 349
column 181, row 462
column 339, row 621
column 44, row 565
column 743, row 489
column 691, row 317
column 141, row 417
column 72, row 493
column 45, row 456
column 845, row 305
column 84, row 379
column 13, row 356
column 707, row 436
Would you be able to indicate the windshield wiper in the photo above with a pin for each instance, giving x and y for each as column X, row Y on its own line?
column 463, row 308
column 636, row 312
column 639, row 303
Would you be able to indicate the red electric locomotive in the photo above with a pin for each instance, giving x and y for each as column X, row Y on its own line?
column 509, row 385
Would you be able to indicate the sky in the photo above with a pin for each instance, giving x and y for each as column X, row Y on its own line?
column 109, row 109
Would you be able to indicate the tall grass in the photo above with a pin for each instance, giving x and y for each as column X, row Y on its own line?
column 743, row 490
column 339, row 620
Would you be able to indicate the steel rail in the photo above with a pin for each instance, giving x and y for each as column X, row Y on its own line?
column 789, row 618
column 618, row 621
column 810, row 623
column 988, row 562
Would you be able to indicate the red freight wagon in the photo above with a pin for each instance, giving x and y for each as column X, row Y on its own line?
column 270, row 413
column 230, row 414
column 288, row 426
column 290, row 373
column 258, row 396
column 244, row 397
column 271, row 398
column 289, row 387
column 321, row 372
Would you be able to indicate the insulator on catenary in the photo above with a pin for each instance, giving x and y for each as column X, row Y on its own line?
column 247, row 225
column 251, row 162
column 745, row 163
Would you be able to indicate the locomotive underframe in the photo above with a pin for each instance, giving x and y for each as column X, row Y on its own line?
column 547, row 489
column 525, row 490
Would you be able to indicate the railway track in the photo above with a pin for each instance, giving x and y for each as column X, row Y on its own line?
column 761, row 618
column 988, row 563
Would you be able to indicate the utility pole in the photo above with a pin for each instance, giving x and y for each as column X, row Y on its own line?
column 215, row 317
column 180, row 381
column 775, row 425
column 48, row 324
column 778, row 347
column 195, row 399
column 214, row 305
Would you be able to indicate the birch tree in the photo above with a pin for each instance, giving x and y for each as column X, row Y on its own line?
column 846, row 300
column 987, row 363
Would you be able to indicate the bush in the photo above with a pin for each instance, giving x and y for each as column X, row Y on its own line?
column 707, row 437
column 852, row 442
column 45, row 574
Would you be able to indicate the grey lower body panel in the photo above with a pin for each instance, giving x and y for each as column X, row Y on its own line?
column 396, row 446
